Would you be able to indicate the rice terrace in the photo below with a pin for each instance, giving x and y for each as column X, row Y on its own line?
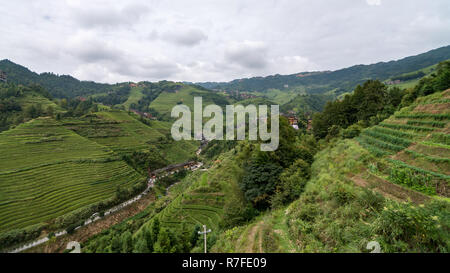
column 215, row 135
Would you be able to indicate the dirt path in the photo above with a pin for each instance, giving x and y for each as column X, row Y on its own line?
column 254, row 240
column 260, row 249
column 82, row 234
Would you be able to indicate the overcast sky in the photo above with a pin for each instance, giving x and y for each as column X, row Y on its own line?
column 212, row 40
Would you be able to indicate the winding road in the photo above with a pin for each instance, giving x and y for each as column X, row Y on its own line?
column 96, row 216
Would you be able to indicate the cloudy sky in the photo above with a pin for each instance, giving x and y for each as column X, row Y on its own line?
column 215, row 40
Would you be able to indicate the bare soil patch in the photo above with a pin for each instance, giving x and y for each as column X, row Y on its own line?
column 437, row 108
column 388, row 189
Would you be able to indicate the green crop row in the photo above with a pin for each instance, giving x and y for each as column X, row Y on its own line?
column 381, row 144
column 419, row 170
column 388, row 138
column 396, row 133
column 406, row 127
column 411, row 179
column 373, row 149
column 429, row 158
column 441, row 138
column 437, row 124
column 424, row 116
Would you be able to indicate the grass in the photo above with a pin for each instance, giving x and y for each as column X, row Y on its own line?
column 406, row 127
column 437, row 124
column 423, row 116
column 134, row 97
column 123, row 133
column 184, row 95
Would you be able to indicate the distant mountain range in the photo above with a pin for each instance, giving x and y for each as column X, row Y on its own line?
column 301, row 92
column 339, row 81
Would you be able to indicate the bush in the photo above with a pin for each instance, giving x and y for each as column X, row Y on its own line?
column 404, row 227
column 17, row 236
column 352, row 131
column 292, row 183
column 342, row 193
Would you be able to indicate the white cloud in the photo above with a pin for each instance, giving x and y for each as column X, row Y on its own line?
column 202, row 40
column 107, row 16
column 189, row 37
column 373, row 2
column 248, row 54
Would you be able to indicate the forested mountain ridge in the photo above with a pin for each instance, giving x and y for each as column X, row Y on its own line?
column 344, row 80
column 59, row 86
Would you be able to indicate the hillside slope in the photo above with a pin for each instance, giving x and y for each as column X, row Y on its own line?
column 185, row 94
column 47, row 171
column 58, row 85
column 390, row 185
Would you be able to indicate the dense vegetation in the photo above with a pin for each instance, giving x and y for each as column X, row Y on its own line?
column 368, row 104
column 409, row 76
column 59, row 86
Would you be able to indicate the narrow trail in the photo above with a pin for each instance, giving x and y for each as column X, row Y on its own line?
column 251, row 239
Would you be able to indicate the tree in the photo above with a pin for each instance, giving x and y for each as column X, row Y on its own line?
column 292, row 183
column 195, row 235
column 259, row 183
column 149, row 239
column 127, row 242
column 116, row 244
column 141, row 246
column 184, row 239
column 163, row 245
column 31, row 111
column 50, row 111
column 155, row 228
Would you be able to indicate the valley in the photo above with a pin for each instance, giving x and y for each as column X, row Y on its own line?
column 368, row 161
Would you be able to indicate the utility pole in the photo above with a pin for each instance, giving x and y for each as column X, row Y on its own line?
column 204, row 234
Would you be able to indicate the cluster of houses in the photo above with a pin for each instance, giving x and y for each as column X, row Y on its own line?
column 238, row 95
column 293, row 120
column 143, row 114
column 393, row 82
column 139, row 84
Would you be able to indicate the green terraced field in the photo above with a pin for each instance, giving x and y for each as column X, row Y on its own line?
column 47, row 171
column 123, row 133
column 202, row 198
column 194, row 206
column 134, row 97
column 116, row 130
column 185, row 95
column 414, row 143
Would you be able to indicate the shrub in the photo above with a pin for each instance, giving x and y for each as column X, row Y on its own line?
column 404, row 227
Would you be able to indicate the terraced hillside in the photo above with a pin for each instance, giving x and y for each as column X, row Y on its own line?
column 123, row 133
column 414, row 145
column 202, row 197
column 389, row 185
column 134, row 97
column 185, row 94
column 47, row 170
column 114, row 129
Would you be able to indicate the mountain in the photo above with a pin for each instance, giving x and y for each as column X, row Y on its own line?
column 59, row 86
column 342, row 80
